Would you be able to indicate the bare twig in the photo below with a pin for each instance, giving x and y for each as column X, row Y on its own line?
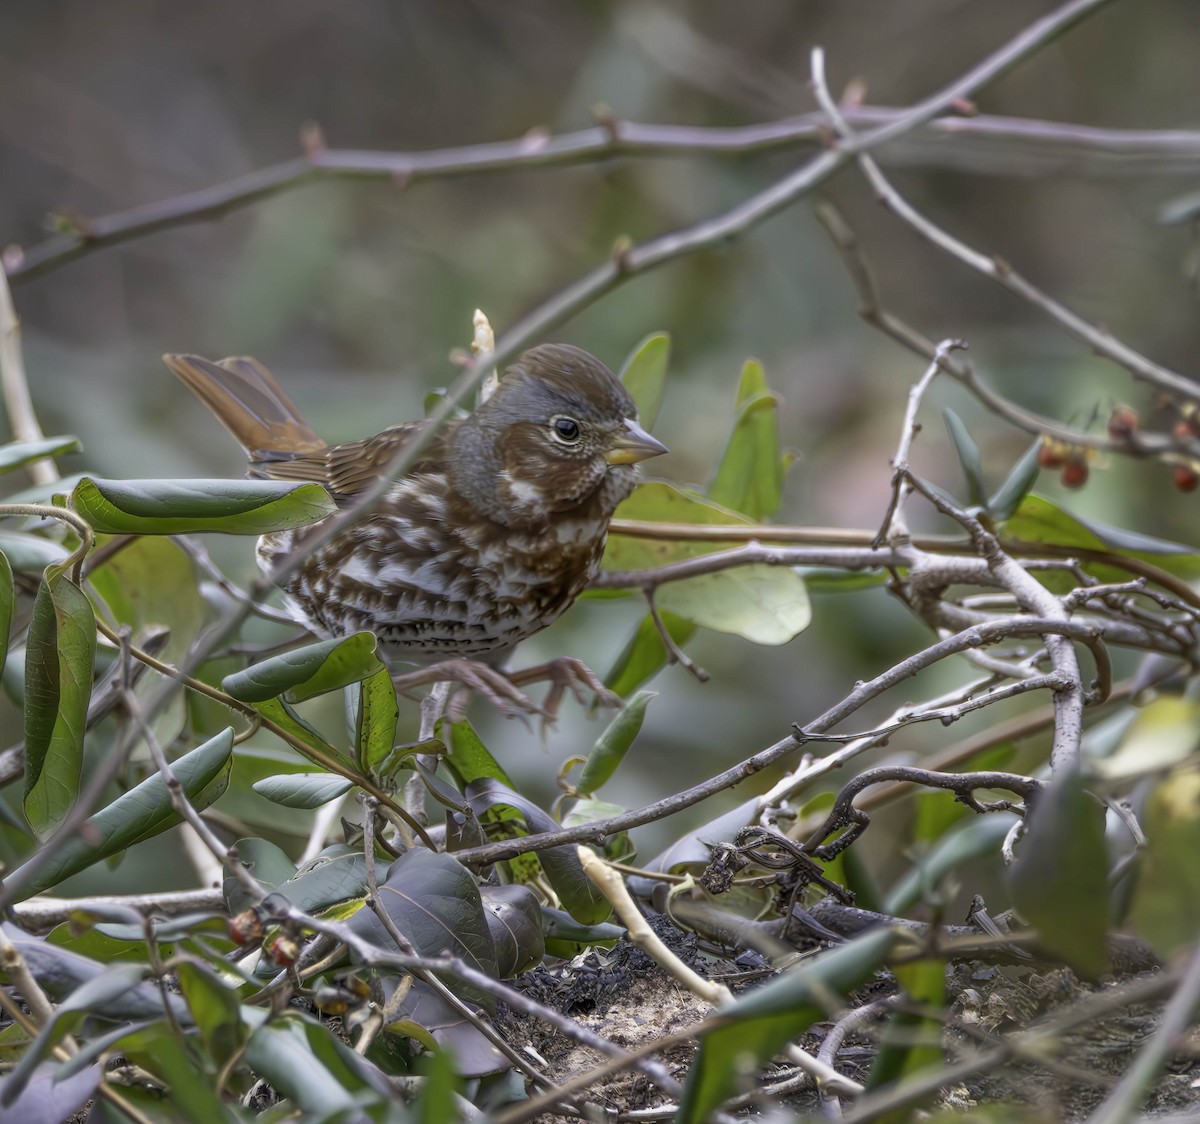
column 17, row 402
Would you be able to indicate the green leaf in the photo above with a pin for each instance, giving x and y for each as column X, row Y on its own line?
column 31, row 553
column 749, row 476
column 324, row 1078
column 139, row 814
column 751, row 1030
column 1166, row 902
column 215, row 1008
column 764, row 604
column 912, row 1039
column 1164, row 732
column 282, row 715
column 968, row 456
column 302, row 790
column 375, row 727
column 644, row 375
column 180, row 507
column 267, row 864
column 612, row 745
column 8, row 595
column 59, row 658
column 561, row 864
column 304, row 672
column 645, row 655
column 165, row 1053
column 1038, row 520
column 1059, row 882
column 434, row 902
column 468, row 758
column 151, row 583
column 514, row 919
column 1009, row 495
column 18, row 453
column 338, row 874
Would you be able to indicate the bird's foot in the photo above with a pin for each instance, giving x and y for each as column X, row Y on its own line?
column 503, row 689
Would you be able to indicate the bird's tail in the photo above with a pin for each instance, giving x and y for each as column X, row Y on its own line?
column 249, row 403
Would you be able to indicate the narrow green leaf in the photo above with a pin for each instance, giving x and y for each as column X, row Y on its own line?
column 747, row 1033
column 968, row 457
column 302, row 790
column 749, row 476
column 1059, row 882
column 1016, row 485
column 282, row 715
column 378, row 716
column 163, row 1052
column 18, row 453
column 180, row 507
column 140, row 813
column 612, row 745
column 59, row 657
column 468, row 758
column 912, row 1039
column 304, row 672
column 8, row 596
column 644, row 374
column 215, row 1008
column 645, row 655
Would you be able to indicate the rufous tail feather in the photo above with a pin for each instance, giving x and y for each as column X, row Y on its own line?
column 249, row 403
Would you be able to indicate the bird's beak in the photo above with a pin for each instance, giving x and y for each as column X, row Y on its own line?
column 632, row 444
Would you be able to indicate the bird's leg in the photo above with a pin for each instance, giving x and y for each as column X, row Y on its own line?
column 563, row 674
column 493, row 685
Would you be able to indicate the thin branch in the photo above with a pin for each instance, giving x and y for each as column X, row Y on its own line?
column 15, row 386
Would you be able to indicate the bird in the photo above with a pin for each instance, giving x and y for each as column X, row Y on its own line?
column 488, row 537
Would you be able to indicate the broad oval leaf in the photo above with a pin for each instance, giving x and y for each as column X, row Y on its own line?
column 302, row 790
column 514, row 918
column 764, row 604
column 179, row 507
column 1166, row 902
column 376, row 719
column 304, row 672
column 31, row 553
column 59, row 659
column 140, row 813
column 1059, row 882
column 434, row 901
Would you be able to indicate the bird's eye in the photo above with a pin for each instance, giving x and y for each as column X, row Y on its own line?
column 565, row 429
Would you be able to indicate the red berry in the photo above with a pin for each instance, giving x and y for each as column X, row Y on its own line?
column 246, row 928
column 1185, row 478
column 284, row 951
column 1184, row 429
column 1122, row 423
column 1074, row 473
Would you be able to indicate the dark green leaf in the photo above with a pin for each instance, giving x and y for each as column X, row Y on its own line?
column 59, row 657
column 912, row 1040
column 162, row 1052
column 311, row 1067
column 436, row 1103
column 1016, row 486
column 282, row 715
column 752, row 1029
column 267, row 863
column 427, row 1017
column 338, row 874
column 17, row 453
column 180, row 507
column 378, row 716
column 140, row 813
column 514, row 919
column 612, row 745
column 968, row 457
column 644, row 375
column 1059, row 882
column 215, row 1009
column 434, row 902
column 302, row 790
column 304, row 672
column 562, row 866
column 8, row 595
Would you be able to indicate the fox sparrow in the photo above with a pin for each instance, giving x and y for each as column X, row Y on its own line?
column 489, row 536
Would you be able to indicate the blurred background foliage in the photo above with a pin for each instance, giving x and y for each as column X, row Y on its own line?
column 354, row 293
